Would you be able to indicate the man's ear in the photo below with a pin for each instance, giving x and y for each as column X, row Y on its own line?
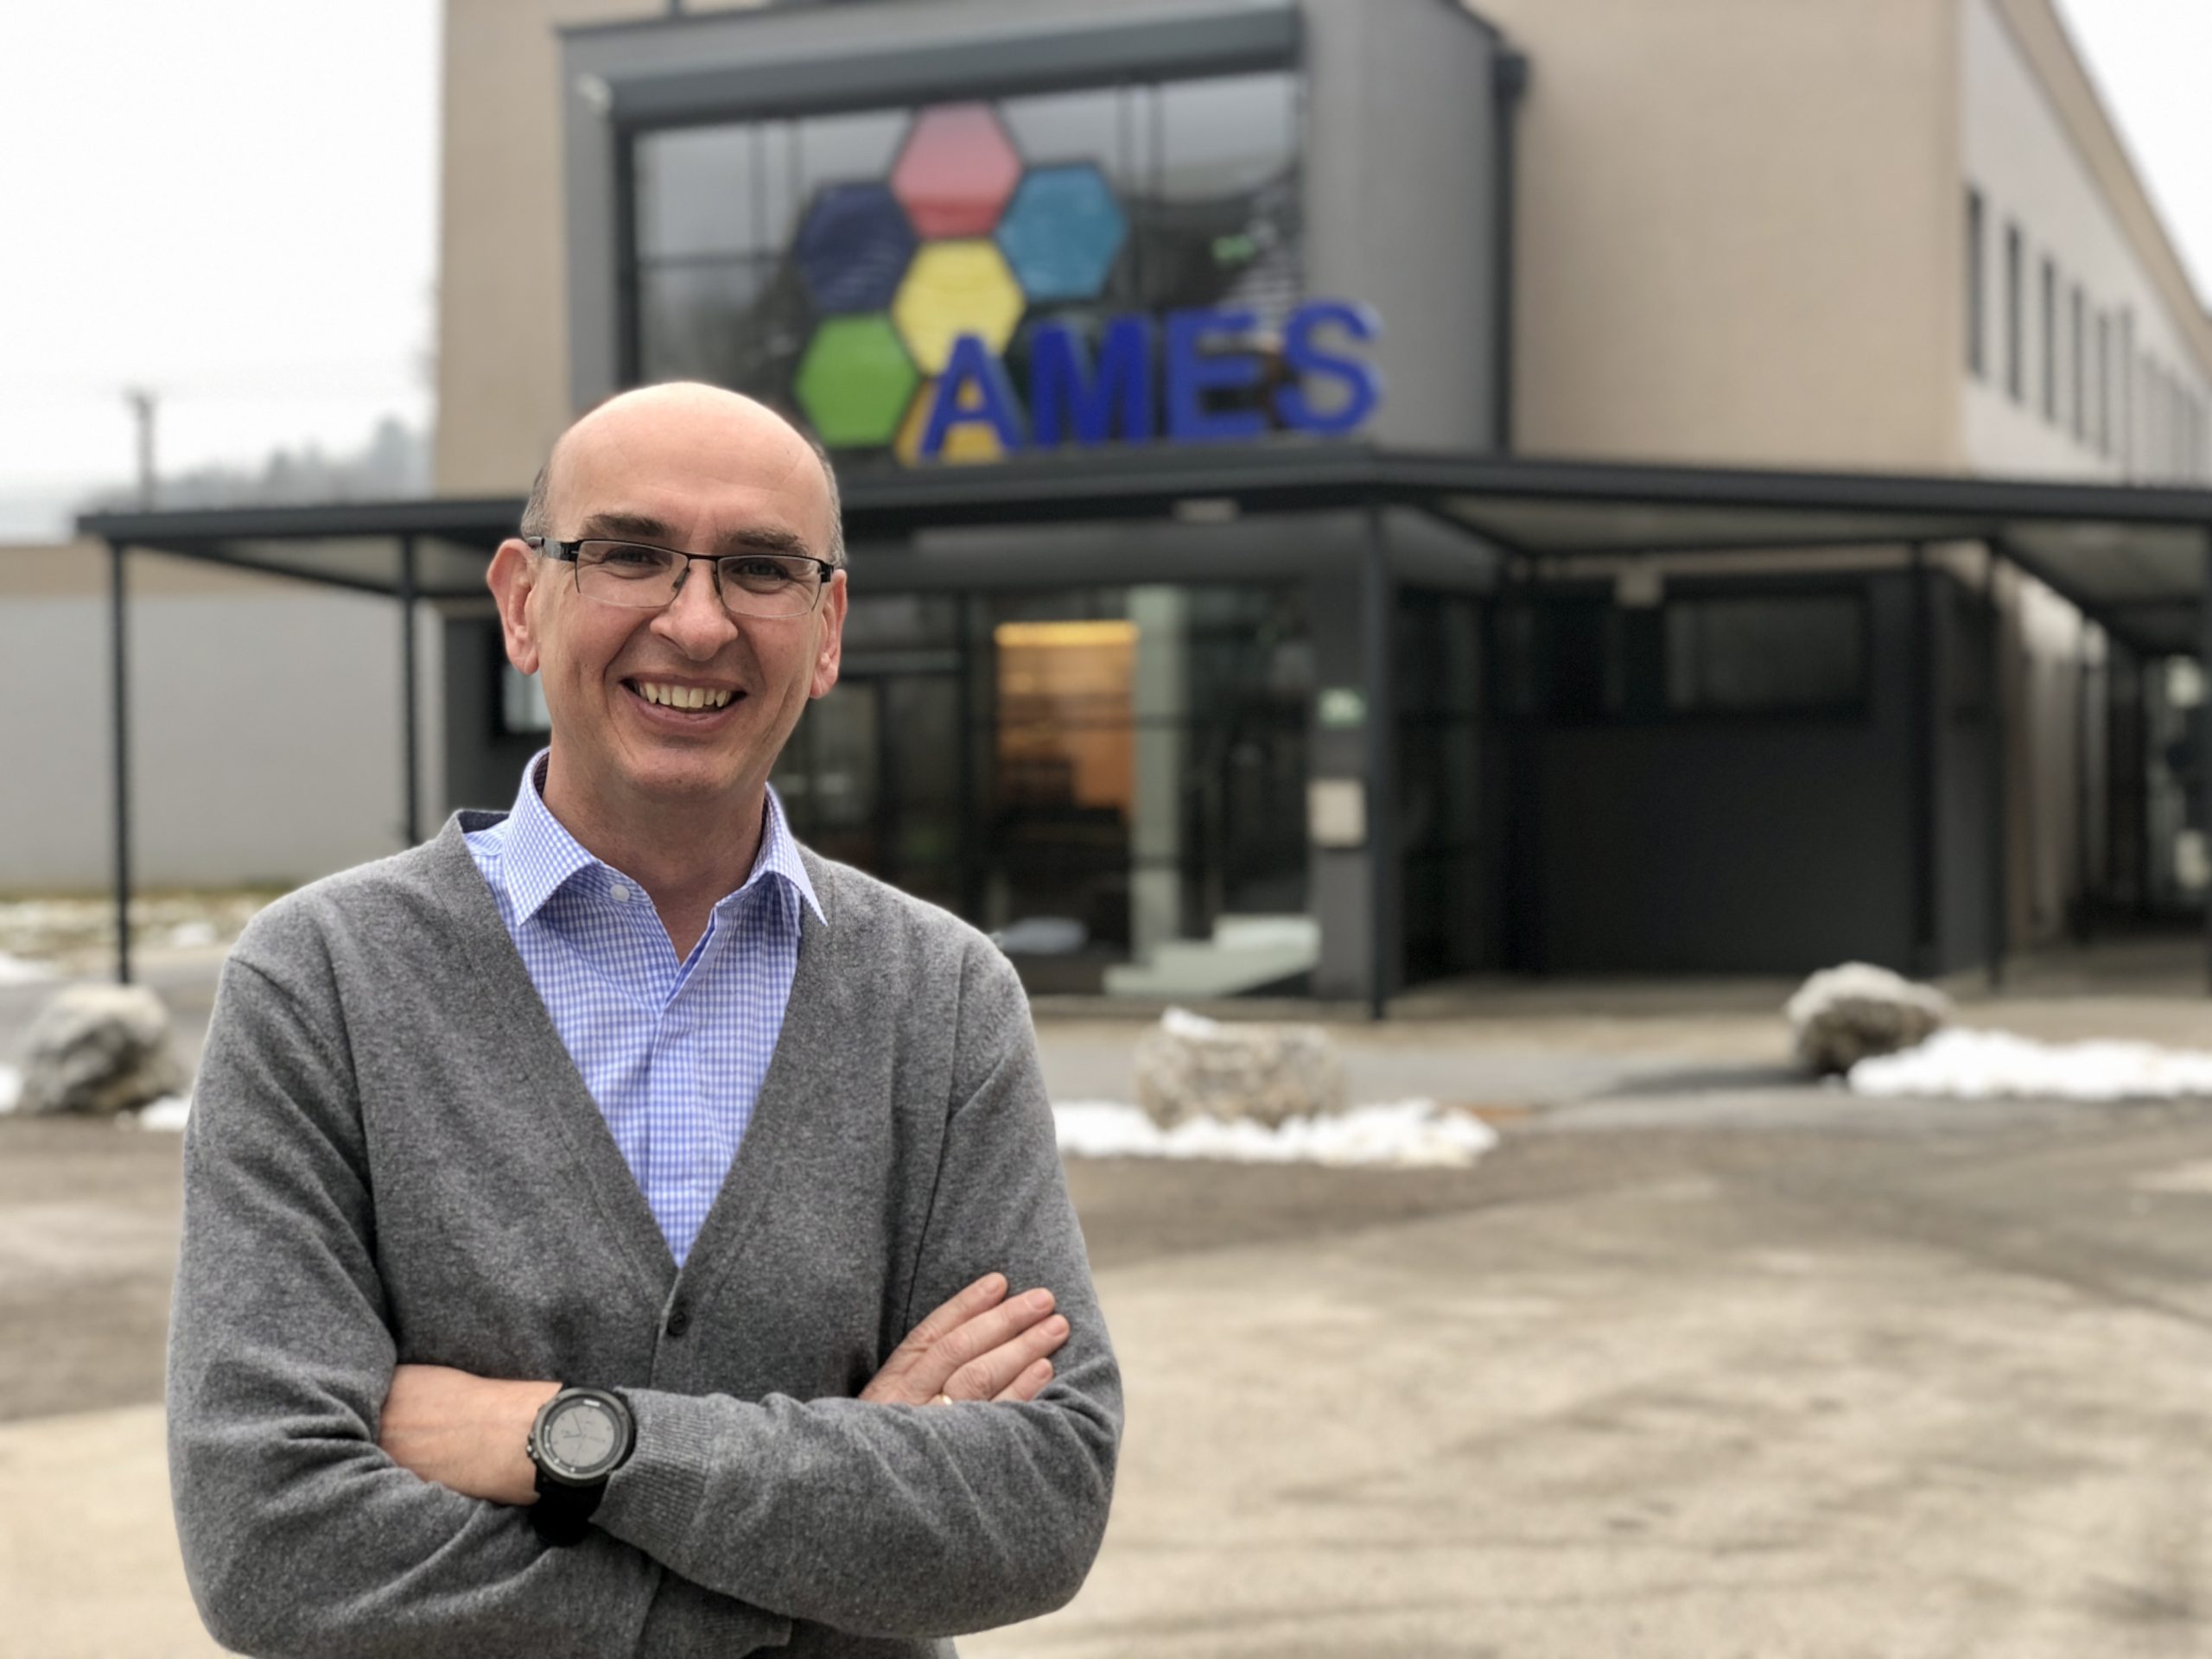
column 829, row 652
column 512, row 576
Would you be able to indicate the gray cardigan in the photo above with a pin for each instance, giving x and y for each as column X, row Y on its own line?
column 391, row 1158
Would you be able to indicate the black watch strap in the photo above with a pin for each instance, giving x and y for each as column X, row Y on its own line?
column 563, row 1513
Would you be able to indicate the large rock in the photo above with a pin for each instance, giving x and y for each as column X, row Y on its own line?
column 1843, row 1016
column 1188, row 1067
column 100, row 1050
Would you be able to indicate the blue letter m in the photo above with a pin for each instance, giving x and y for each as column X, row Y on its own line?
column 1067, row 400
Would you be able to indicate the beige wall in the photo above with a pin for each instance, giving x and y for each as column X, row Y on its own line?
column 503, row 354
column 1738, row 231
column 503, row 351
column 266, row 723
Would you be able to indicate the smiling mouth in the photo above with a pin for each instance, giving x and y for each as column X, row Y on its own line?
column 697, row 699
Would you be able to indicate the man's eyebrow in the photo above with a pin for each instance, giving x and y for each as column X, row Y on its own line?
column 643, row 527
column 766, row 539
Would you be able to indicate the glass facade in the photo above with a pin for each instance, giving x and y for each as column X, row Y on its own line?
column 822, row 264
column 1098, row 776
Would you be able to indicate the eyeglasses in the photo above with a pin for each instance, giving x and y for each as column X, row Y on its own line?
column 640, row 576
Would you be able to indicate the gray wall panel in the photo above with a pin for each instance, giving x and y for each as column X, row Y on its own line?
column 1733, row 846
column 265, row 739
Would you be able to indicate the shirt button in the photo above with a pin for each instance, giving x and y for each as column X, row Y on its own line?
column 619, row 893
column 679, row 1318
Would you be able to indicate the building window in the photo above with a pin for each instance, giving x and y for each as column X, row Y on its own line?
column 2104, row 383
column 1977, row 359
column 1797, row 653
column 2125, row 395
column 2016, row 376
column 2050, row 342
column 2078, row 373
column 522, row 703
column 775, row 256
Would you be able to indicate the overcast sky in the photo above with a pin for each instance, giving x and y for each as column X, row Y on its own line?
column 234, row 203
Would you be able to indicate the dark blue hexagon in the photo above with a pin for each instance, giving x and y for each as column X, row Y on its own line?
column 1062, row 232
column 853, row 248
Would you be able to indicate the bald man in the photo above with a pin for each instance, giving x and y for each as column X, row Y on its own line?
column 610, row 1228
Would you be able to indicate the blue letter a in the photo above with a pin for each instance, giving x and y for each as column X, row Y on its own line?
column 972, row 364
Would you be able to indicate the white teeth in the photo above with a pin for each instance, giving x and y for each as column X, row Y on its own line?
column 683, row 696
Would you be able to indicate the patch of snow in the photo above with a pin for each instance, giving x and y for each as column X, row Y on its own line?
column 12, row 1088
column 1403, row 1134
column 185, row 935
column 168, row 1113
column 14, row 971
column 1196, row 1027
column 1995, row 1065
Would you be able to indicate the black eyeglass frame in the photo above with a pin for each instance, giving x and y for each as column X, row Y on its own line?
column 569, row 552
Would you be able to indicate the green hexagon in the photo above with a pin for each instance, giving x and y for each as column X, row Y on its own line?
column 856, row 381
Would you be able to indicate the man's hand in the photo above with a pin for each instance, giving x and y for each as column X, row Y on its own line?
column 469, row 1433
column 978, row 1346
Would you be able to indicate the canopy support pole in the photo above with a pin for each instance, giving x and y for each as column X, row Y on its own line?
column 1926, row 950
column 2204, row 738
column 1993, row 770
column 118, row 603
column 409, row 721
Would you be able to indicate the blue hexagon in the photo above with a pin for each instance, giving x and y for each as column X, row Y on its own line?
column 1061, row 232
column 853, row 248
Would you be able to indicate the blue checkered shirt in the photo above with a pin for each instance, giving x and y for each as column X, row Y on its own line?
column 672, row 1052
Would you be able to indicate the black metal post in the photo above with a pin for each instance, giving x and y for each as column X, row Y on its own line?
column 2084, row 796
column 1380, row 734
column 1993, row 735
column 119, row 685
column 2204, row 732
column 1923, row 764
column 409, row 720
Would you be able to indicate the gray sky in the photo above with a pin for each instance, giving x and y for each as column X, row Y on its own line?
column 234, row 202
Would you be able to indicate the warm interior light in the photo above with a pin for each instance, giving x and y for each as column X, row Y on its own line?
column 1064, row 713
column 1020, row 634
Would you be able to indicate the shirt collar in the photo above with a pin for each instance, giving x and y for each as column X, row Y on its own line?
column 541, row 857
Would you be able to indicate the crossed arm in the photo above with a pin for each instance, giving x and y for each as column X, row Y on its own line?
column 468, row 1433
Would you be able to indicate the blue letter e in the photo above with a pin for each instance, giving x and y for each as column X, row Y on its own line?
column 1193, row 372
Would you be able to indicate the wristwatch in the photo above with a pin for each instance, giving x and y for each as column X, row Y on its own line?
column 581, row 1437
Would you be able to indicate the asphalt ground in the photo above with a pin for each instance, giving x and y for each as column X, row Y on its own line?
column 1700, row 1361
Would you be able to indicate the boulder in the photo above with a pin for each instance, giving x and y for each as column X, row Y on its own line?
column 1843, row 1016
column 99, row 1049
column 1188, row 1067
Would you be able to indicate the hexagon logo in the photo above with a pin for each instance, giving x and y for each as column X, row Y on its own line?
column 968, row 442
column 856, row 381
column 954, row 288
column 957, row 170
column 852, row 248
column 1062, row 232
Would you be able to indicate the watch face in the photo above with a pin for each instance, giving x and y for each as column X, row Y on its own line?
column 582, row 1437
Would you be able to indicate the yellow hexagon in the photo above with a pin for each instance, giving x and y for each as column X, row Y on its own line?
column 968, row 442
column 954, row 288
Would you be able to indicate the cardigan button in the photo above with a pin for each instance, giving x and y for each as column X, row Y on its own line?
column 679, row 1318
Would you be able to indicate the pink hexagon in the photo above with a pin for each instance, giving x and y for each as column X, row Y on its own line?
column 956, row 171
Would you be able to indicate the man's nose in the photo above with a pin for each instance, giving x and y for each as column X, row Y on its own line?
column 695, row 618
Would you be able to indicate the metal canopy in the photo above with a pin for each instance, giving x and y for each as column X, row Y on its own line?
column 2132, row 557
column 2137, row 560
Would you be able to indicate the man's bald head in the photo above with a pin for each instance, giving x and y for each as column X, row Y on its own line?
column 692, row 405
